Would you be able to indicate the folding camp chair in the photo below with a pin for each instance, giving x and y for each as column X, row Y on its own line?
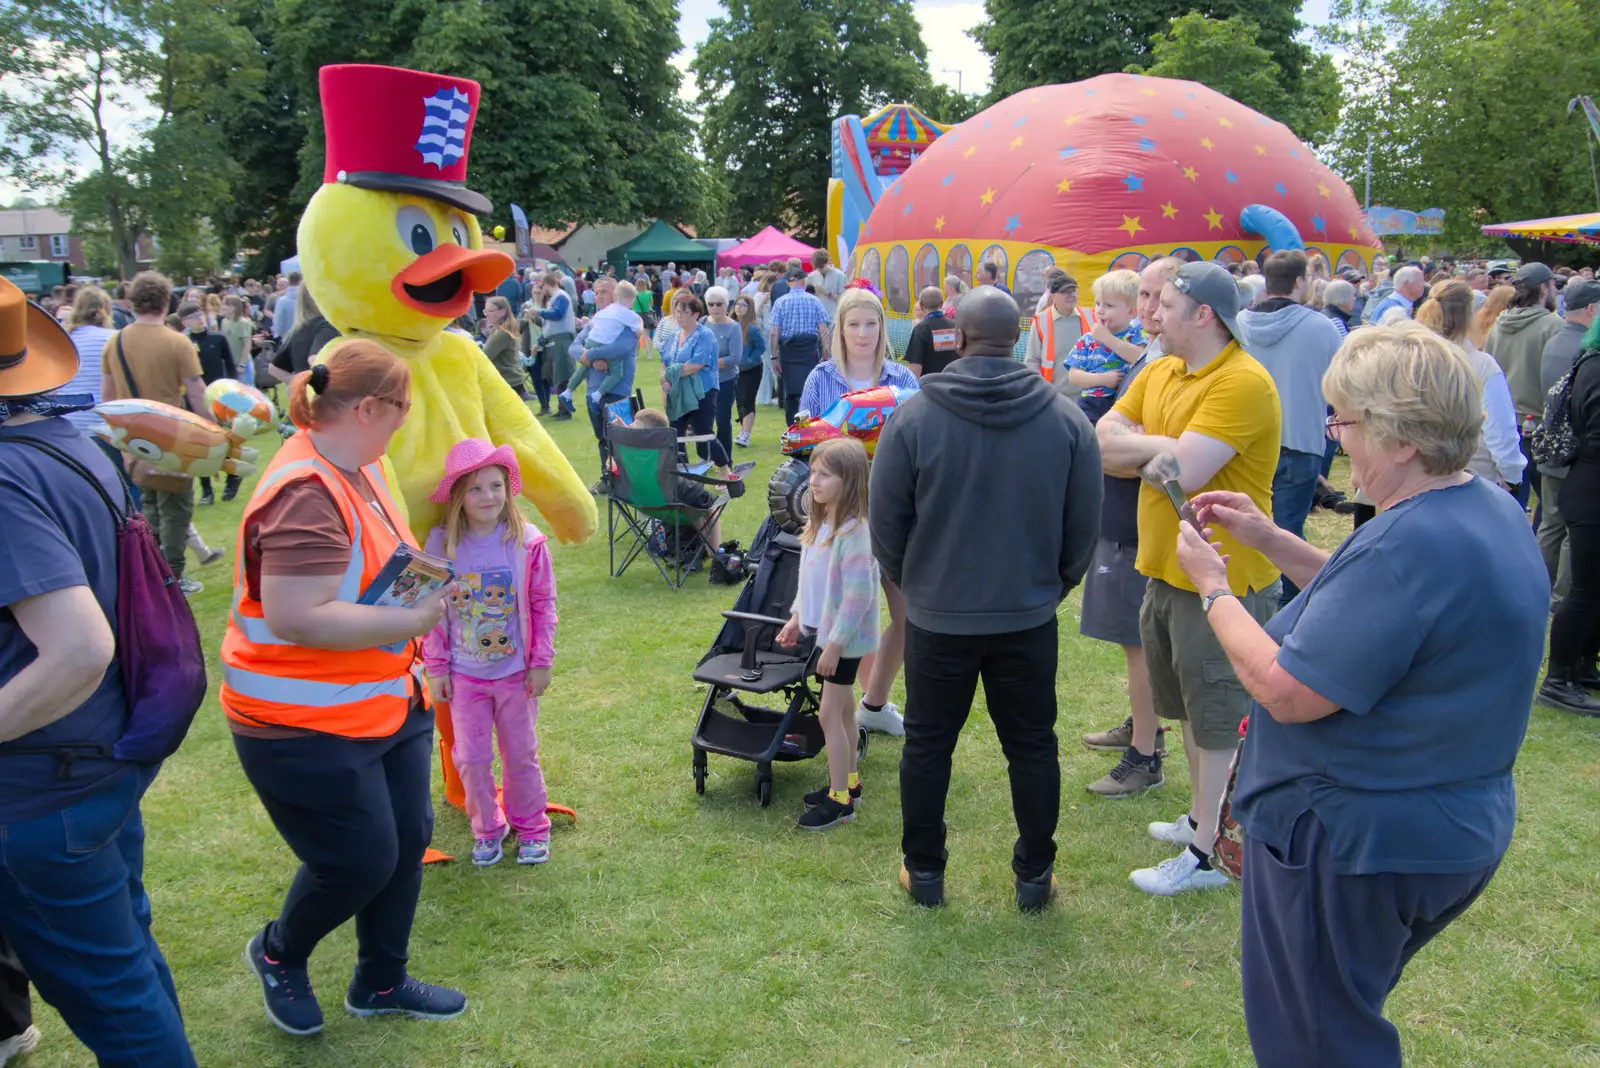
column 644, row 487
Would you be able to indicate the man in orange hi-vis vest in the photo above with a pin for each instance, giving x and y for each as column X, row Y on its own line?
column 1057, row 327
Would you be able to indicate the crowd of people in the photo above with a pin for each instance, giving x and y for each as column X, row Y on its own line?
column 1191, row 414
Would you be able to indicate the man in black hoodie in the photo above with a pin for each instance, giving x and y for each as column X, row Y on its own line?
column 985, row 508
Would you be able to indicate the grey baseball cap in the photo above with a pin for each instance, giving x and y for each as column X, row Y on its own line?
column 1581, row 293
column 1534, row 274
column 1208, row 283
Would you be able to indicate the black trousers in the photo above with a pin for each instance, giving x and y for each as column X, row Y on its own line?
column 1319, row 951
column 598, row 415
column 703, row 420
column 1575, row 630
column 16, row 1007
column 1018, row 670
column 358, row 814
column 797, row 358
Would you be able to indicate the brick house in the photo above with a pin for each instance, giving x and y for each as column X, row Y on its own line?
column 39, row 234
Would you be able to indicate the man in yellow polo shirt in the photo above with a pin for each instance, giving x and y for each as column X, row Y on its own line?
column 1207, row 415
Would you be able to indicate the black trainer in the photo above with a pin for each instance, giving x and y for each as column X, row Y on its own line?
column 413, row 998
column 1034, row 894
column 291, row 1006
column 926, row 888
column 816, row 797
column 829, row 813
column 1561, row 691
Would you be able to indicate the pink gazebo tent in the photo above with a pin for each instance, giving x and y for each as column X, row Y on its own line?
column 770, row 244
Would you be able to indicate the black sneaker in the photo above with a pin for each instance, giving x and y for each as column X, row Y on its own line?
column 816, row 797
column 230, row 493
column 1559, row 691
column 1034, row 894
column 206, row 500
column 926, row 888
column 413, row 998
column 827, row 814
column 291, row 1006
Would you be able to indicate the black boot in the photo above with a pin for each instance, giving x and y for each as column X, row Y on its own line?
column 1560, row 690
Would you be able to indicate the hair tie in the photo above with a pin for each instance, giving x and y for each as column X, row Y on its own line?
column 319, row 378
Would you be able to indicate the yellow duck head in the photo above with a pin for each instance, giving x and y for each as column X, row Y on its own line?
column 390, row 249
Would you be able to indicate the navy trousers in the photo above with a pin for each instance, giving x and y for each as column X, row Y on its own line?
column 1319, row 952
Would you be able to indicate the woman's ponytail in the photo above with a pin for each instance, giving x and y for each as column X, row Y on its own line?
column 353, row 371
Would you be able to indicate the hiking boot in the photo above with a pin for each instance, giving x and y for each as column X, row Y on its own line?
column 886, row 720
column 533, row 851
column 291, row 1006
column 1034, row 894
column 1134, row 774
column 829, row 813
column 413, row 998
column 1120, row 738
column 926, row 888
column 1560, row 690
column 1180, row 874
column 1179, row 832
column 816, row 797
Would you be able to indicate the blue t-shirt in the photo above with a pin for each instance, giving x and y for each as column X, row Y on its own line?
column 55, row 533
column 1426, row 627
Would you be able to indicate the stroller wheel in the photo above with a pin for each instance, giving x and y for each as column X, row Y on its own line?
column 861, row 742
column 764, row 785
column 699, row 772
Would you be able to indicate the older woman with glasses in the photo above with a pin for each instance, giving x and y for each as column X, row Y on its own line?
column 1390, row 700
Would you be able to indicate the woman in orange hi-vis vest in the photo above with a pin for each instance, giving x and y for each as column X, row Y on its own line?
column 329, row 717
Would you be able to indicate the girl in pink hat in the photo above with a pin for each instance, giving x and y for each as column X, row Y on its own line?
column 490, row 655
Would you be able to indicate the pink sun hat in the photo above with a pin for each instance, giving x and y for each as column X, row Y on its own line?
column 471, row 455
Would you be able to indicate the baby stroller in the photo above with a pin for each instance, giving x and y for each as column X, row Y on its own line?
column 745, row 665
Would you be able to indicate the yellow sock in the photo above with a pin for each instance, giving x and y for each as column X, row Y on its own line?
column 854, row 781
column 841, row 796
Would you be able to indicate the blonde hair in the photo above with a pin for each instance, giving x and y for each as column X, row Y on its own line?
column 509, row 323
column 91, row 307
column 1317, row 293
column 1497, row 301
column 651, row 417
column 1118, row 285
column 626, row 293
column 455, row 516
column 1408, row 386
column 845, row 458
column 852, row 299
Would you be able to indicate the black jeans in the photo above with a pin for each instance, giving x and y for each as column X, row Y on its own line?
column 598, row 415
column 232, row 484
column 16, row 1006
column 1019, row 682
column 540, row 376
column 1575, row 630
column 703, row 420
column 358, row 814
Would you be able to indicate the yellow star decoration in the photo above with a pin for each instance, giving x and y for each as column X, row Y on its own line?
column 1261, row 150
column 1224, row 122
column 1323, row 190
column 1168, row 211
column 970, row 150
column 938, row 224
column 988, row 196
column 1065, row 186
column 1148, row 92
column 1070, row 119
column 1213, row 220
column 1190, row 173
column 1130, row 223
column 1016, row 142
column 1355, row 233
column 1205, row 143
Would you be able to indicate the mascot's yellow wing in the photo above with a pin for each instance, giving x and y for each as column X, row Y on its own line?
column 456, row 394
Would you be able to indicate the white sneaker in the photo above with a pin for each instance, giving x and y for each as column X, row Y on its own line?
column 17, row 1045
column 742, row 439
column 1179, row 832
column 1182, row 872
column 886, row 720
column 189, row 587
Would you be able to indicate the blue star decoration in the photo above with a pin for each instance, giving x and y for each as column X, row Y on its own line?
column 1177, row 114
column 1145, row 144
column 1295, row 152
column 1012, row 222
column 1319, row 223
column 1066, row 153
column 867, row 230
column 1020, row 121
column 949, row 178
column 1137, row 120
column 988, row 124
column 1134, row 183
column 1231, row 177
column 1281, row 189
column 907, row 209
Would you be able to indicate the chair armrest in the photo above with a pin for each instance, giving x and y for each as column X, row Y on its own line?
column 749, row 666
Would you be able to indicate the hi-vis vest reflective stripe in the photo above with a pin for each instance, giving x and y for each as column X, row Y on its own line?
column 270, row 682
column 1047, row 337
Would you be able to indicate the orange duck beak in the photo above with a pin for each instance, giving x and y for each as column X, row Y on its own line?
column 441, row 283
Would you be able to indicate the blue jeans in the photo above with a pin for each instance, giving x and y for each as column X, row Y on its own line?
column 1294, row 488
column 74, row 908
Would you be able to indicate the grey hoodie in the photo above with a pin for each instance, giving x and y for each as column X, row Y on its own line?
column 1517, row 341
column 985, row 498
column 1295, row 344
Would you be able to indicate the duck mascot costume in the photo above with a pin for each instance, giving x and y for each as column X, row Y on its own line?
column 391, row 250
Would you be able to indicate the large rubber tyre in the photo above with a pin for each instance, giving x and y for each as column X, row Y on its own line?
column 786, row 495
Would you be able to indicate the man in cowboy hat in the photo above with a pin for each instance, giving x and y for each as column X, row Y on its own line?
column 77, row 920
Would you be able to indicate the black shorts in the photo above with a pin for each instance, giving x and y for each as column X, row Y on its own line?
column 749, row 388
column 845, row 673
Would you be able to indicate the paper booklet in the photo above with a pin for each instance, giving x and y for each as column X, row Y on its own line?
column 410, row 575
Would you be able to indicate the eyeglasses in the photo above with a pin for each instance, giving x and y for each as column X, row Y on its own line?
column 716, row 304
column 1334, row 424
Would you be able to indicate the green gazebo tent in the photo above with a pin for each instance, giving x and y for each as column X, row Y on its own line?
column 661, row 243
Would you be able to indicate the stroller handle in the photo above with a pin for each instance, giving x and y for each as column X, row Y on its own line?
column 751, row 617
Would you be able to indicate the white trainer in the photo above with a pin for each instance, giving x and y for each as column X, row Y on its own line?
column 1179, row 832
column 886, row 720
column 17, row 1045
column 1182, row 872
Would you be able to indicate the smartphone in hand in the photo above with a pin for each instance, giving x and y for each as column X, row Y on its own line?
column 1181, row 505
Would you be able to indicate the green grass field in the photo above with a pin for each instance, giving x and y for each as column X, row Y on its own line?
column 675, row 929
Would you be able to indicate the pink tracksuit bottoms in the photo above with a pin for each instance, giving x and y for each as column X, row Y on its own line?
column 480, row 711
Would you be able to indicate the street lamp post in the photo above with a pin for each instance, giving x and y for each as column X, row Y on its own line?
column 957, row 73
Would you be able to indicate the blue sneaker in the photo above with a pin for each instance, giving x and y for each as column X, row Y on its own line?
column 486, row 851
column 413, row 998
column 533, row 851
column 291, row 1006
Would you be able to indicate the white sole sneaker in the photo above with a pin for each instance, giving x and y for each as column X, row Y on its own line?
column 1179, row 832
column 886, row 720
column 1176, row 876
column 17, row 1045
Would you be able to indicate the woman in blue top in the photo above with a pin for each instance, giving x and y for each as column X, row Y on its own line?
column 1392, row 696
column 860, row 360
column 694, row 352
column 750, row 365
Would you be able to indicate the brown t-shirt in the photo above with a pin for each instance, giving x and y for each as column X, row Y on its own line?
column 160, row 359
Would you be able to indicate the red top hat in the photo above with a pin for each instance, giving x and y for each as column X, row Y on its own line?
column 401, row 131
